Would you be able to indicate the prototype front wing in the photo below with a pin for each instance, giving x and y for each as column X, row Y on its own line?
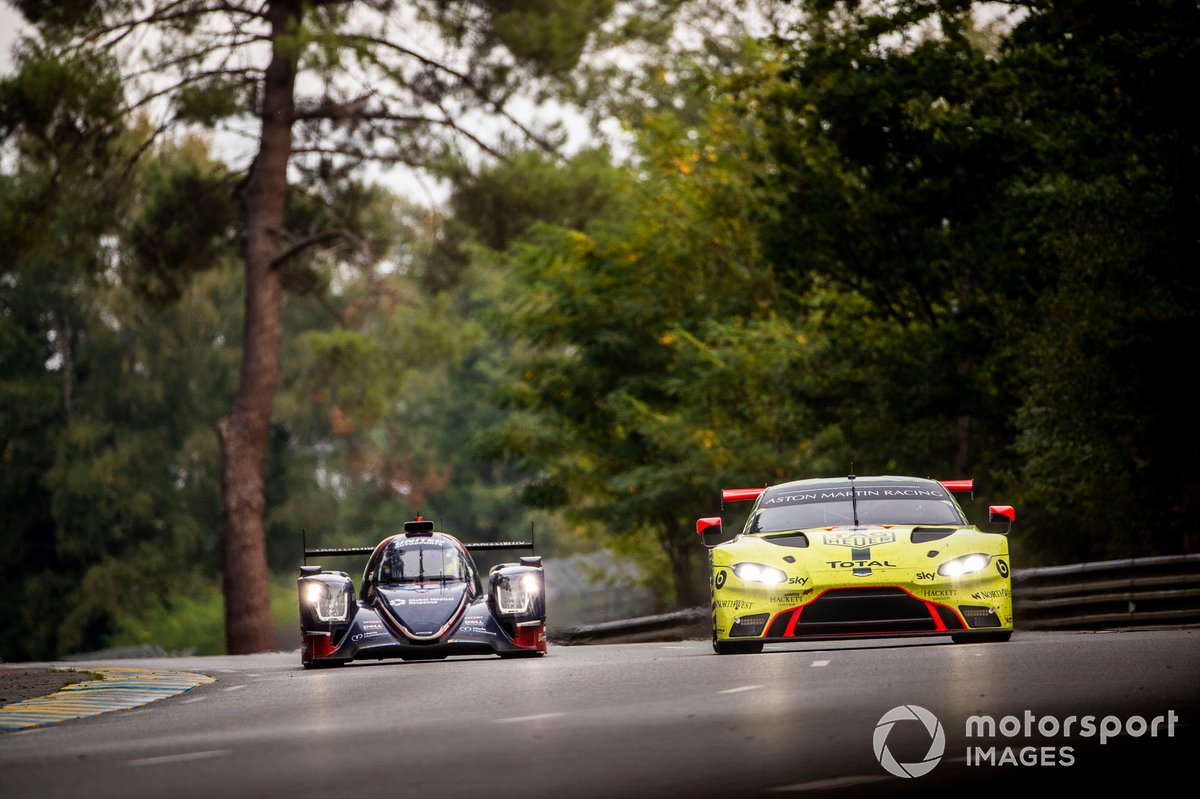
column 367, row 636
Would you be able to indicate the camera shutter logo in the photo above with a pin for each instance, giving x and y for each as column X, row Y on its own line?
column 937, row 741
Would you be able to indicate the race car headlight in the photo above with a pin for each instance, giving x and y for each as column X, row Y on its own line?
column 758, row 573
column 327, row 606
column 967, row 564
column 515, row 595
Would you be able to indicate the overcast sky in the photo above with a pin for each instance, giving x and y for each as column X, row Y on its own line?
column 10, row 28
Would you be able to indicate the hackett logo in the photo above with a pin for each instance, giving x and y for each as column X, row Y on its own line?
column 859, row 540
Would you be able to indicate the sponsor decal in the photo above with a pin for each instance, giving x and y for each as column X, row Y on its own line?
column 844, row 495
column 372, row 625
column 859, row 540
column 421, row 541
column 422, row 600
column 797, row 581
column 475, row 629
column 734, row 604
column 861, row 564
column 924, row 575
column 996, row 594
column 1002, row 567
column 939, row 593
column 785, row 599
column 721, row 577
column 360, row 636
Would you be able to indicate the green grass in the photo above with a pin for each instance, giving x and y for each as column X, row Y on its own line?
column 194, row 623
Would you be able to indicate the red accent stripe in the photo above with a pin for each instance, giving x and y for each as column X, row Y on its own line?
column 930, row 607
column 316, row 647
column 531, row 638
column 791, row 628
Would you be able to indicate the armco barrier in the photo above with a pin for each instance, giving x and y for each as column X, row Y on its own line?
column 1106, row 595
column 1134, row 592
column 678, row 625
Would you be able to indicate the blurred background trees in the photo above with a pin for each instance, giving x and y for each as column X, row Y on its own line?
column 935, row 238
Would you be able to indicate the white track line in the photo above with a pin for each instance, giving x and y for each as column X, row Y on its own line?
column 155, row 761
column 739, row 690
column 819, row 663
column 538, row 717
column 824, row 785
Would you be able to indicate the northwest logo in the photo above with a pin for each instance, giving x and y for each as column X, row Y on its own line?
column 859, row 540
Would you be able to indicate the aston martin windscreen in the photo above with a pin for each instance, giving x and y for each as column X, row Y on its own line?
column 783, row 509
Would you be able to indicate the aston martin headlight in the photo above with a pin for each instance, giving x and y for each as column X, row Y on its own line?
column 328, row 606
column 967, row 564
column 758, row 573
column 515, row 595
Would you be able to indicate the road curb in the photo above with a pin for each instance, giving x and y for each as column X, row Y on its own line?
column 116, row 689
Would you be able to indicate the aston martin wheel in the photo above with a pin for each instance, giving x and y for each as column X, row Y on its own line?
column 982, row 638
column 737, row 647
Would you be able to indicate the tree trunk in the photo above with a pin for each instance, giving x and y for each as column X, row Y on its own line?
column 689, row 589
column 243, row 433
column 964, row 430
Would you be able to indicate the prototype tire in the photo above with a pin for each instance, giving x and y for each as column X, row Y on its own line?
column 323, row 664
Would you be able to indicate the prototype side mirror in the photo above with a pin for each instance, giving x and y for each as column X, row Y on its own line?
column 710, row 530
column 1002, row 513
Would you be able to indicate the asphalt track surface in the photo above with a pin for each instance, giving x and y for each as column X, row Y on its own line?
column 637, row 720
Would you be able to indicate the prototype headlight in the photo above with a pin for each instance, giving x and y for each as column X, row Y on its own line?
column 967, row 564
column 515, row 596
column 758, row 573
column 328, row 607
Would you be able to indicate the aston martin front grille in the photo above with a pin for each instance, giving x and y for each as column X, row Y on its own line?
column 864, row 610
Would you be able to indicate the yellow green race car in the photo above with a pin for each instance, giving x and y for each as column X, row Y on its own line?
column 857, row 557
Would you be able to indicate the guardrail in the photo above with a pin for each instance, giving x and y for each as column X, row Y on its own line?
column 1105, row 595
column 678, row 625
column 1112, row 594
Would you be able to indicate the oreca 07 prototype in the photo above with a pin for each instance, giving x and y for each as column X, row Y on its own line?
column 857, row 557
column 421, row 598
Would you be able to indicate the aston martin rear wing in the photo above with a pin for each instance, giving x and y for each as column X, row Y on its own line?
column 747, row 494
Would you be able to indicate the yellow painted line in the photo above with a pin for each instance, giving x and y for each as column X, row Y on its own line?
column 117, row 689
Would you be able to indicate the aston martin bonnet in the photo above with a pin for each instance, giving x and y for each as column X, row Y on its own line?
column 856, row 557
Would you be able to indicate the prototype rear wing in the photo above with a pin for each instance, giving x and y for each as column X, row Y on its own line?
column 338, row 552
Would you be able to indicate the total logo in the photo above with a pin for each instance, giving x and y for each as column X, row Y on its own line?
column 932, row 727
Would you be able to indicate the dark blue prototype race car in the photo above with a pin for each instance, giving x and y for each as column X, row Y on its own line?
column 421, row 599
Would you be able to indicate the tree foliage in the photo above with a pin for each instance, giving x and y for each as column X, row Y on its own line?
column 915, row 237
column 324, row 86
